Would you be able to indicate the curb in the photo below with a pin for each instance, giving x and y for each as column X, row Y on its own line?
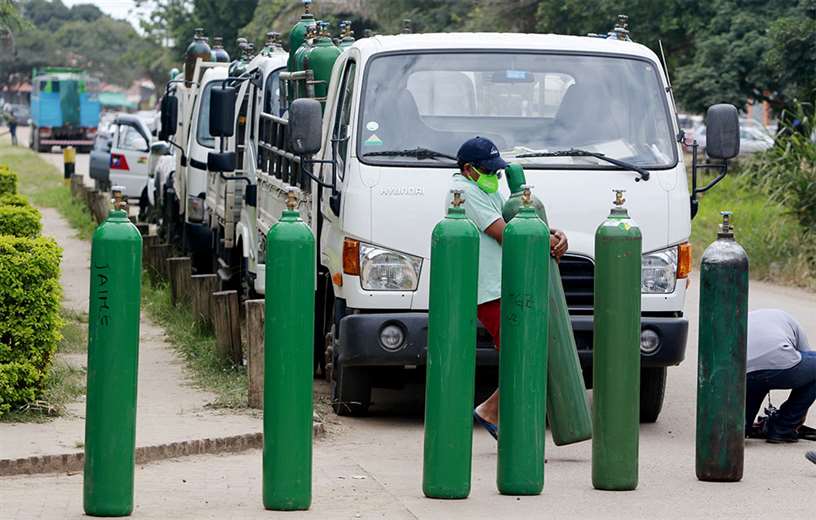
column 73, row 462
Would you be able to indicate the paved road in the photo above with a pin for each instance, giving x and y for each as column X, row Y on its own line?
column 371, row 468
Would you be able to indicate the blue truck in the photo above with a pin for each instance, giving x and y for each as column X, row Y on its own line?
column 64, row 109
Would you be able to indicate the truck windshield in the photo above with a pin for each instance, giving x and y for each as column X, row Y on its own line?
column 524, row 102
column 203, row 129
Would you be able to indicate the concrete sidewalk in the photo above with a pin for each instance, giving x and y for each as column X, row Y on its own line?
column 170, row 410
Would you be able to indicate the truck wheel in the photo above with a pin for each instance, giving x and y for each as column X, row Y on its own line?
column 652, row 390
column 351, row 389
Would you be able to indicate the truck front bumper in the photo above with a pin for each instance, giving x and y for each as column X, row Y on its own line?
column 359, row 344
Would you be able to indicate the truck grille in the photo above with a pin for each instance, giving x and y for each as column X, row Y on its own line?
column 577, row 275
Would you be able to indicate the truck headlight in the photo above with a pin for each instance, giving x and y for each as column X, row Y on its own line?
column 195, row 208
column 659, row 271
column 385, row 270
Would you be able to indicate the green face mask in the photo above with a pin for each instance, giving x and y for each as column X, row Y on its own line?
column 487, row 183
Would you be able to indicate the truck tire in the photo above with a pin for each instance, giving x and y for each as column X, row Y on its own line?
column 350, row 387
column 652, row 391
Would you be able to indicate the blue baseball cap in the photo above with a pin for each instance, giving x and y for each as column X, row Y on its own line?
column 482, row 154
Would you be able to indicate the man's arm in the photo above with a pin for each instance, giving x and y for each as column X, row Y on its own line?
column 558, row 240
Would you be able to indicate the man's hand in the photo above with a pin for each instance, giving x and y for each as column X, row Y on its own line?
column 558, row 243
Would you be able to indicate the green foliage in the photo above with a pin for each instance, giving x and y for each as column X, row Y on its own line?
column 787, row 172
column 772, row 238
column 42, row 183
column 29, row 303
column 11, row 199
column 19, row 221
column 8, row 182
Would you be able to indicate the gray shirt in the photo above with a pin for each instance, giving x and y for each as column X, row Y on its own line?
column 775, row 340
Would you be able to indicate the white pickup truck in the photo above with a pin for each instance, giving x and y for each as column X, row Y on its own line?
column 398, row 107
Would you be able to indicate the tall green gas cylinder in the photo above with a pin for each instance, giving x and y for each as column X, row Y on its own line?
column 523, row 357
column 297, row 35
column 288, row 363
column 722, row 351
column 616, row 352
column 320, row 59
column 113, row 358
column 451, row 355
column 567, row 405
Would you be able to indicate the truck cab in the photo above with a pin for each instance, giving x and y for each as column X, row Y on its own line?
column 185, row 189
column 396, row 111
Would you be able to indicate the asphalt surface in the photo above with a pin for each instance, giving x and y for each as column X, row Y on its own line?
column 371, row 467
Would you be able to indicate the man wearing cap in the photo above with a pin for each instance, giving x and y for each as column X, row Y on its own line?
column 480, row 165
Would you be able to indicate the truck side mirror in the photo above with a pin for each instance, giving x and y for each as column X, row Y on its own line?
column 305, row 123
column 222, row 111
column 169, row 117
column 160, row 148
column 722, row 132
column 221, row 162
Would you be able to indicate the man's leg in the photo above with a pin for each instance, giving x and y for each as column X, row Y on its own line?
column 755, row 391
column 802, row 380
column 489, row 313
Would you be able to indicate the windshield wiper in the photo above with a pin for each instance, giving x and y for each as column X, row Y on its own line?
column 574, row 152
column 418, row 152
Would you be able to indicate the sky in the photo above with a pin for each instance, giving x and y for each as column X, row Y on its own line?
column 122, row 9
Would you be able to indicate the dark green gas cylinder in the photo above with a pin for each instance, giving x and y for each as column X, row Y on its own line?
column 288, row 363
column 616, row 352
column 174, row 72
column 567, row 405
column 722, row 351
column 198, row 48
column 113, row 359
column 219, row 54
column 297, row 35
column 523, row 358
column 299, row 62
column 320, row 60
column 451, row 355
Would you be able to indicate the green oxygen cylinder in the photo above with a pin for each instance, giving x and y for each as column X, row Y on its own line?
column 320, row 60
column 347, row 35
column 113, row 359
column 288, row 353
column 722, row 351
column 523, row 358
column 451, row 355
column 297, row 35
column 567, row 405
column 616, row 351
column 299, row 61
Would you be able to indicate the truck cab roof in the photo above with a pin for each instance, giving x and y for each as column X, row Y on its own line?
column 501, row 41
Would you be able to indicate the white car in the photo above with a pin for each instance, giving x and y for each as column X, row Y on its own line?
column 129, row 154
column 753, row 138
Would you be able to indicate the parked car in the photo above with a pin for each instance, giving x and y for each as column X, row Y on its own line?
column 124, row 148
column 753, row 138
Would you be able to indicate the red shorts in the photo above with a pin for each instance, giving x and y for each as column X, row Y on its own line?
column 489, row 313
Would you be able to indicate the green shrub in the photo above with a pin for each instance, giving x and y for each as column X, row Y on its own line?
column 8, row 181
column 20, row 221
column 11, row 199
column 30, row 309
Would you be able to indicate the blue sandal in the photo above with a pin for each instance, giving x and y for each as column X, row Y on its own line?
column 491, row 428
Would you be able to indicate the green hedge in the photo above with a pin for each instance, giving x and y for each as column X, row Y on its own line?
column 8, row 181
column 30, row 296
column 20, row 221
column 10, row 199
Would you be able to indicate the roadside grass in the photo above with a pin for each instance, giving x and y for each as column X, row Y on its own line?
column 771, row 236
column 65, row 382
column 196, row 346
column 42, row 183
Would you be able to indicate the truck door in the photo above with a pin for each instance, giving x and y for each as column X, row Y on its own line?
column 129, row 155
column 339, row 131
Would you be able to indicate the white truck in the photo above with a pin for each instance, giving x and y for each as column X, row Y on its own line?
column 178, row 182
column 375, row 172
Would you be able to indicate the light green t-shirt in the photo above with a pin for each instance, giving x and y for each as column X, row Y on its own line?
column 483, row 209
